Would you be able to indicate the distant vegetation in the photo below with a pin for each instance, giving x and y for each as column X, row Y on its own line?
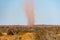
column 10, row 32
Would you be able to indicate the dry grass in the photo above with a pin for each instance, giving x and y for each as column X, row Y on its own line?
column 26, row 36
column 7, row 37
column 24, row 33
column 30, row 36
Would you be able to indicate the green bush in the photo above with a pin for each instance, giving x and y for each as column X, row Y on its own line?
column 1, row 34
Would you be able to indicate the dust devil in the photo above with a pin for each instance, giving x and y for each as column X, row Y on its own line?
column 29, row 10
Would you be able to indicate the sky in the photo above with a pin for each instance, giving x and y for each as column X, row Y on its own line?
column 46, row 12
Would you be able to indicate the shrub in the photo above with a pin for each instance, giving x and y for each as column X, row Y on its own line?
column 1, row 34
column 10, row 32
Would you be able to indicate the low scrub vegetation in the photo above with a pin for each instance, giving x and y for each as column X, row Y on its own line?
column 40, row 32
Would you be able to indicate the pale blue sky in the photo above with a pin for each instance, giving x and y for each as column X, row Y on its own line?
column 46, row 12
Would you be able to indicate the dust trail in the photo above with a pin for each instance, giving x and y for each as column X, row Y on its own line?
column 29, row 10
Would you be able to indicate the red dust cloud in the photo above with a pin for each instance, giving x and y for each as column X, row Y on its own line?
column 29, row 10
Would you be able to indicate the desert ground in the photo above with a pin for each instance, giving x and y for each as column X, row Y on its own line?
column 37, row 32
